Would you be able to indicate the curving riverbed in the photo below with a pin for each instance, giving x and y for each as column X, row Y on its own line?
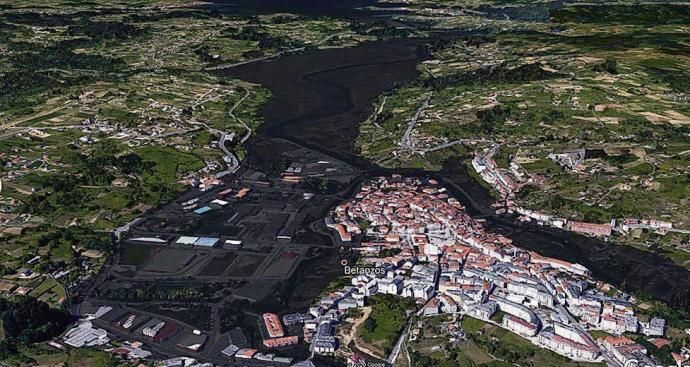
column 321, row 96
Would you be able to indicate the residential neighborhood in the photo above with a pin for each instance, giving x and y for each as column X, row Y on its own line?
column 448, row 263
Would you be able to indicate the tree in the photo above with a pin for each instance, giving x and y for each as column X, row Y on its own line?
column 7, row 349
column 609, row 66
column 29, row 320
column 370, row 324
column 492, row 119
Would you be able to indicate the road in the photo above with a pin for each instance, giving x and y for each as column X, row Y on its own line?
column 405, row 142
column 398, row 345
column 229, row 157
column 231, row 112
column 352, row 334
column 451, row 143
column 377, row 112
column 401, row 340
column 46, row 113
column 610, row 360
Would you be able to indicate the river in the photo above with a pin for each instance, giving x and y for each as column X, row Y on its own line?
column 321, row 96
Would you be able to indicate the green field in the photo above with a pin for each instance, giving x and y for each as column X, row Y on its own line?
column 511, row 347
column 613, row 84
column 386, row 321
column 168, row 164
column 486, row 346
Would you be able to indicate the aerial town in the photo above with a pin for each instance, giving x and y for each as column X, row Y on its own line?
column 331, row 183
column 448, row 263
column 508, row 182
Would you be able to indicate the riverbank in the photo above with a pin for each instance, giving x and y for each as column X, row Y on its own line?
column 321, row 96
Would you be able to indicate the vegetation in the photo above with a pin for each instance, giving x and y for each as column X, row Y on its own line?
column 34, row 72
column 612, row 76
column 502, row 73
column 27, row 320
column 167, row 165
column 486, row 346
column 386, row 321
column 675, row 312
column 263, row 39
column 471, row 325
column 507, row 346
column 154, row 293
column 490, row 120
column 322, row 186
column 640, row 14
column 609, row 66
column 100, row 31
column 155, row 169
column 594, row 76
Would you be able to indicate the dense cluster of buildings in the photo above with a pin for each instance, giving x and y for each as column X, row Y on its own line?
column 621, row 226
column 240, row 350
column 85, row 335
column 420, row 243
column 627, row 351
column 571, row 160
column 276, row 333
column 507, row 182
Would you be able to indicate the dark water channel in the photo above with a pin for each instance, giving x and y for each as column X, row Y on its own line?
column 321, row 96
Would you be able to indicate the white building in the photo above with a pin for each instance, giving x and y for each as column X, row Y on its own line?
column 565, row 346
column 421, row 291
column 152, row 331
column 536, row 292
column 324, row 342
column 519, row 325
column 655, row 327
column 85, row 335
column 516, row 310
column 619, row 324
column 448, row 305
column 348, row 303
column 485, row 310
column 390, row 286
